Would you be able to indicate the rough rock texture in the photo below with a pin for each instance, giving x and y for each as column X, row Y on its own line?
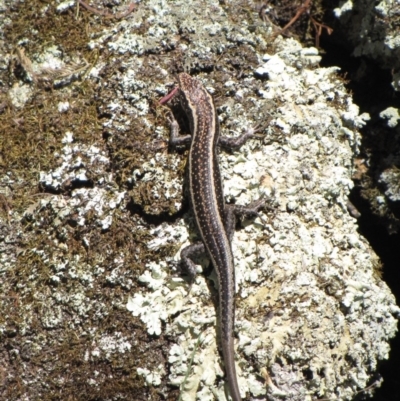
column 94, row 306
column 371, row 29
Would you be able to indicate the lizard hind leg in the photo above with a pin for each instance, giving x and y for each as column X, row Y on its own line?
column 233, row 211
column 187, row 255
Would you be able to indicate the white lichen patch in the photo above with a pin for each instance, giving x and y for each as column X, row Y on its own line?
column 20, row 94
column 108, row 345
column 391, row 115
column 63, row 107
column 78, row 163
column 152, row 378
column 75, row 159
column 50, row 59
column 344, row 8
column 391, row 179
column 308, row 296
column 65, row 5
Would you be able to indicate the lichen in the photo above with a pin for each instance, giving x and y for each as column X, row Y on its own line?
column 93, row 213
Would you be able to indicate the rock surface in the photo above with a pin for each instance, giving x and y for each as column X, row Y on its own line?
column 89, row 259
column 370, row 29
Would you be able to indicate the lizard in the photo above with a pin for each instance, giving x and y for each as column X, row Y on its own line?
column 215, row 219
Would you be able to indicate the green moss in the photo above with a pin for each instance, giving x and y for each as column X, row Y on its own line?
column 53, row 358
column 47, row 27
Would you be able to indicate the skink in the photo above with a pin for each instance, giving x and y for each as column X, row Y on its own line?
column 214, row 219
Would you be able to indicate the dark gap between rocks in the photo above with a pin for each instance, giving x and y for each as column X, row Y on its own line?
column 372, row 92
